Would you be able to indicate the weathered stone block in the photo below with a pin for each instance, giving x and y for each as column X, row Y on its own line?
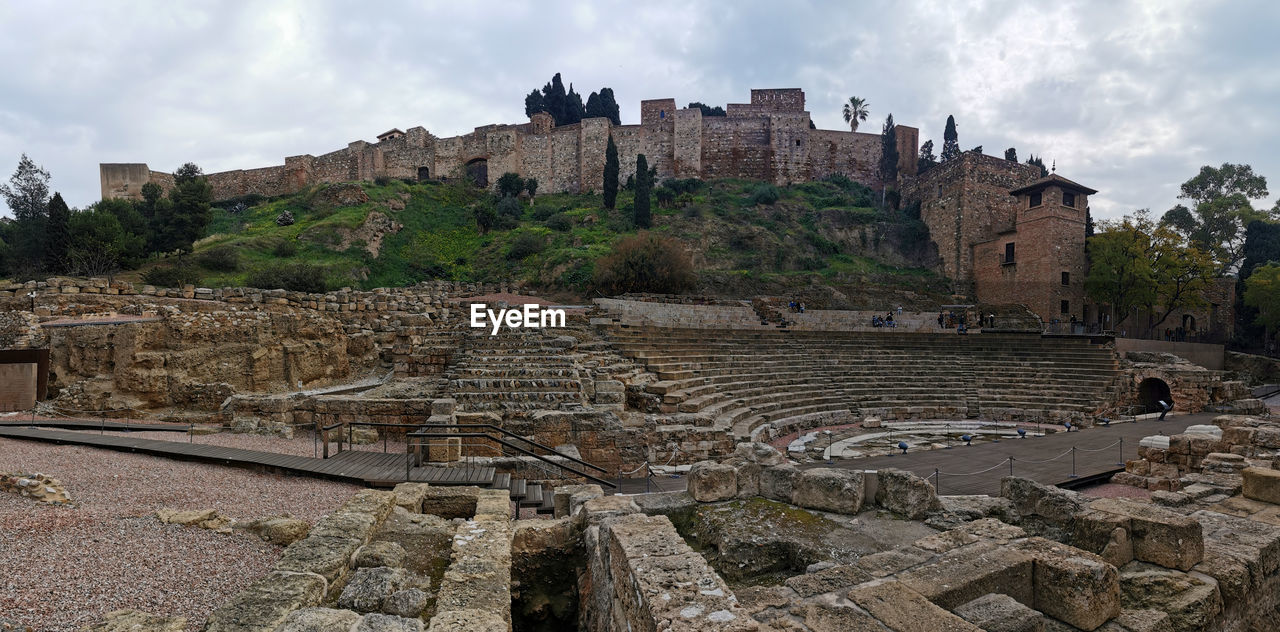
column 1262, row 484
column 1105, row 534
column 131, row 621
column 369, row 586
column 319, row 620
column 906, row 494
column 905, row 610
column 710, row 482
column 266, row 603
column 1030, row 498
column 828, row 489
column 1072, row 585
column 1159, row 536
column 1001, row 613
column 325, row 556
column 776, row 482
column 827, row 580
column 964, row 574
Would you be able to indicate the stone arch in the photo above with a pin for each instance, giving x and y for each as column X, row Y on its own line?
column 1151, row 391
column 424, row 174
column 1188, row 323
column 478, row 171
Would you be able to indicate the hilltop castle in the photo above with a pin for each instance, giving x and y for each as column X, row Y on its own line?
column 770, row 139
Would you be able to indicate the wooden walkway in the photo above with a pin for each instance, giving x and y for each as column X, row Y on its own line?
column 977, row 469
column 366, row 468
column 89, row 424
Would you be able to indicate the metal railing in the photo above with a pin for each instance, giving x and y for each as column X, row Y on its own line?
column 1011, row 461
column 415, row 453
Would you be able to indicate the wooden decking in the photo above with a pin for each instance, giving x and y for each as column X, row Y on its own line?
column 91, row 424
column 363, row 467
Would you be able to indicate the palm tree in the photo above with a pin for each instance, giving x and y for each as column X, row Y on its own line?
column 856, row 111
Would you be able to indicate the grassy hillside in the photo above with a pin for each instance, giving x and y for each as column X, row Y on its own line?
column 741, row 238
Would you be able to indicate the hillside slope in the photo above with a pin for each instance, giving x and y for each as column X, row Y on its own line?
column 745, row 238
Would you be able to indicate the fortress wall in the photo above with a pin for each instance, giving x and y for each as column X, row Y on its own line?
column 983, row 182
column 335, row 166
column 564, row 159
column 535, row 160
column 631, row 141
column 593, row 142
column 268, row 181
column 789, row 141
column 736, row 148
column 123, row 180
column 687, row 143
column 779, row 99
column 853, row 154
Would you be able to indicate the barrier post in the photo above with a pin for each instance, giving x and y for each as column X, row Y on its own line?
column 1121, row 461
column 1010, row 466
column 937, row 481
column 1073, row 462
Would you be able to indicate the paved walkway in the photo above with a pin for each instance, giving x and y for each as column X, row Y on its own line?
column 977, row 469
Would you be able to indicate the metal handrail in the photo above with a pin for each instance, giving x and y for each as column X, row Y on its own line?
column 478, row 435
column 515, row 436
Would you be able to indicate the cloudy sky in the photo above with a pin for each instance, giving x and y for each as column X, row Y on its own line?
column 1127, row 97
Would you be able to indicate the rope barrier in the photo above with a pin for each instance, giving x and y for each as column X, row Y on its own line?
column 642, row 466
column 1046, row 460
column 1105, row 447
column 1000, row 464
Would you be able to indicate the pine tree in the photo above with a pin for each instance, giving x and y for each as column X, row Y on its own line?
column 644, row 184
column 57, row 236
column 594, row 109
column 950, row 140
column 889, row 152
column 926, row 159
column 611, row 168
column 1011, row 154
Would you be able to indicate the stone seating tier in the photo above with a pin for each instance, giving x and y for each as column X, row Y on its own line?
column 750, row 380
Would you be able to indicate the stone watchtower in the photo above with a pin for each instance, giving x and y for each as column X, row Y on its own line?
column 1040, row 262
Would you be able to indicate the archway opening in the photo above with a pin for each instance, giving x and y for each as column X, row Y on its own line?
column 478, row 171
column 1151, row 392
column 424, row 174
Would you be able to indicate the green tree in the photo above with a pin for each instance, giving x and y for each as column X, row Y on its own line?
column 1037, row 162
column 510, row 184
column 1121, row 274
column 950, row 140
column 643, row 217
column 611, row 167
column 707, row 110
column 27, row 193
column 888, row 169
column 926, row 159
column 1011, row 154
column 531, row 185
column 99, row 245
column 184, row 220
column 603, row 105
column 534, row 103
column 1220, row 209
column 1262, row 292
column 57, row 242
column 1181, row 272
column 856, row 110
column 1261, row 244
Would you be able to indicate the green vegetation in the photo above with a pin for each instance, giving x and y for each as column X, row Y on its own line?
column 742, row 233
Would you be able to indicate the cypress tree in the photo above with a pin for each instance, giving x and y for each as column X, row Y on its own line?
column 57, row 235
column 950, row 140
column 611, row 166
column 644, row 183
column 889, row 152
column 1011, row 154
column 609, row 106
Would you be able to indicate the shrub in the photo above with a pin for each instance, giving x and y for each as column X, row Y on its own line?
column 645, row 263
column 382, row 181
column 686, row 185
column 176, row 275
column 284, row 219
column 542, row 212
column 765, row 194
column 287, row 248
column 559, row 222
column 665, row 197
column 221, row 259
column 295, row 277
column 525, row 245
column 509, row 207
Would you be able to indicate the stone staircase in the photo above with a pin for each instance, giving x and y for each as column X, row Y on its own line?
column 516, row 372
column 774, row 382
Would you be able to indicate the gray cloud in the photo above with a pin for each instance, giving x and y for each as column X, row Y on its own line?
column 1130, row 98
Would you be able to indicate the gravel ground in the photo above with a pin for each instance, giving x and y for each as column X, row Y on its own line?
column 63, row 567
